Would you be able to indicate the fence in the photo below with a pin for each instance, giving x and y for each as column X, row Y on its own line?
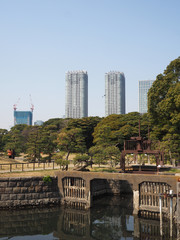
column 35, row 166
column 149, row 196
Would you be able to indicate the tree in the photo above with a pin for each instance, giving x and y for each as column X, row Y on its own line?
column 60, row 160
column 58, row 123
column 48, row 140
column 98, row 155
column 164, row 107
column 15, row 139
column 103, row 136
column 114, row 129
column 102, row 154
column 3, row 133
column 82, row 159
column 34, row 144
column 112, row 154
column 71, row 141
column 87, row 126
column 164, row 98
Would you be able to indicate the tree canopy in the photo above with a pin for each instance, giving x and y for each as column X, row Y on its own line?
column 164, row 107
column 164, row 98
column 115, row 128
column 87, row 126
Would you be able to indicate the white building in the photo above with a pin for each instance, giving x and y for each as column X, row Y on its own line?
column 76, row 94
column 115, row 93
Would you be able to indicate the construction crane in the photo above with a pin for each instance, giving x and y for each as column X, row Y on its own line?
column 32, row 105
column 15, row 105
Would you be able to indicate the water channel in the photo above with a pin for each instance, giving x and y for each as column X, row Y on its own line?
column 110, row 218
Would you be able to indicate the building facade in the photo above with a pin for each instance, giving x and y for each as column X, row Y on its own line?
column 115, row 93
column 76, row 94
column 144, row 87
column 23, row 117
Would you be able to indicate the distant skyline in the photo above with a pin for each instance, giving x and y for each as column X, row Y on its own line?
column 42, row 40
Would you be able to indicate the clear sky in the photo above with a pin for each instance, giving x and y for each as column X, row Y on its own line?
column 40, row 40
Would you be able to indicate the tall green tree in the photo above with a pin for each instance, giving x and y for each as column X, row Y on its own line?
column 3, row 133
column 34, row 144
column 164, row 107
column 48, row 140
column 164, row 98
column 71, row 141
column 115, row 129
column 16, row 139
column 87, row 125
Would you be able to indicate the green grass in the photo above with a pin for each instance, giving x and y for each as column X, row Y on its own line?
column 103, row 169
column 173, row 170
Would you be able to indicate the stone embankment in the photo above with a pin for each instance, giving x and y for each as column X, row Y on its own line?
column 32, row 191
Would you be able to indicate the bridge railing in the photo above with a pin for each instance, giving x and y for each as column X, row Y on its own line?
column 149, row 196
column 33, row 166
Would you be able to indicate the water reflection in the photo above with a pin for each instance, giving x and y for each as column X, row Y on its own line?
column 28, row 222
column 109, row 219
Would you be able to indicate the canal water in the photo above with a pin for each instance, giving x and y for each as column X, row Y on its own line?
column 110, row 218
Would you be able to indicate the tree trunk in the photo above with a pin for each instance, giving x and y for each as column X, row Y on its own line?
column 170, row 156
column 91, row 162
column 50, row 156
column 67, row 156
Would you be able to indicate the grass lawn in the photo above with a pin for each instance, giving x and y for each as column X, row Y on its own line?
column 174, row 170
column 30, row 173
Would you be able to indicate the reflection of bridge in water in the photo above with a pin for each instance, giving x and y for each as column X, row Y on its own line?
column 110, row 218
column 149, row 229
column 105, row 220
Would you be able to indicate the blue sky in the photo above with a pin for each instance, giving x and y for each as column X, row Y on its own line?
column 40, row 40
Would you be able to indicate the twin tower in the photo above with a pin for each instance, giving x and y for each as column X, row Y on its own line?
column 77, row 94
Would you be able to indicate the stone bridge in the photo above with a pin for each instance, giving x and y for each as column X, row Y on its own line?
column 78, row 189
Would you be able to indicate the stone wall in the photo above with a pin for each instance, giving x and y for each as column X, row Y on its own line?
column 33, row 191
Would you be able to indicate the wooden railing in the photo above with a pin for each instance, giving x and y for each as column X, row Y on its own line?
column 149, row 196
column 34, row 166
column 74, row 192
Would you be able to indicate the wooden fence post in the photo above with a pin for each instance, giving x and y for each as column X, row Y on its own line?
column 160, row 210
column 33, row 166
